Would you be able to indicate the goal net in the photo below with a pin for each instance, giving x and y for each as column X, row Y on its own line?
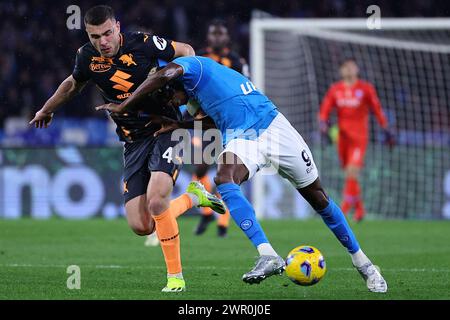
column 294, row 61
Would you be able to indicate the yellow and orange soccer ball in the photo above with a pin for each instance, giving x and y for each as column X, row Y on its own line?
column 305, row 265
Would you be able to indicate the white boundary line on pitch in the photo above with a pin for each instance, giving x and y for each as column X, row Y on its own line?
column 18, row 265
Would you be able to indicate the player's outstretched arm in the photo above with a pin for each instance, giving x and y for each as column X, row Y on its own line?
column 66, row 91
column 152, row 83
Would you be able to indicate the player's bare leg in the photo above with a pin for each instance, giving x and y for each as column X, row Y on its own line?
column 140, row 220
column 138, row 217
column 231, row 173
column 335, row 220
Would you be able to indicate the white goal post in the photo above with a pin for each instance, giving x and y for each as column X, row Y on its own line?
column 294, row 61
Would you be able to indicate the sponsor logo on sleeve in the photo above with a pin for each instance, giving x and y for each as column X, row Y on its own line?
column 159, row 42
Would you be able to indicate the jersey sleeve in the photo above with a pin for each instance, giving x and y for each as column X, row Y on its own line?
column 80, row 73
column 327, row 105
column 192, row 71
column 156, row 47
column 375, row 106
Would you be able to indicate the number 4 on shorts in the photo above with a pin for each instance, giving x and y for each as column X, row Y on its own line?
column 168, row 154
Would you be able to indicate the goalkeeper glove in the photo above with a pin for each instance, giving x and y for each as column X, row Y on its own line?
column 389, row 138
column 324, row 131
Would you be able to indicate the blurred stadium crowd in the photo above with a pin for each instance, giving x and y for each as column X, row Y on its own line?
column 38, row 51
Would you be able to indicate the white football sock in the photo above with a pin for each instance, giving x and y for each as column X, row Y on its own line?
column 175, row 275
column 359, row 258
column 194, row 198
column 265, row 249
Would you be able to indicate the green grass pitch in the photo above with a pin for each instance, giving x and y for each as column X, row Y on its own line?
column 414, row 257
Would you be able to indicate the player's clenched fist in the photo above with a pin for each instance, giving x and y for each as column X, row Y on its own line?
column 42, row 119
column 389, row 138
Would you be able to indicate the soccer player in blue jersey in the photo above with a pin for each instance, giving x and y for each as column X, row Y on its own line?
column 255, row 135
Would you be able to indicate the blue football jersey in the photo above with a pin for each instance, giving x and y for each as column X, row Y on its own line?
column 227, row 96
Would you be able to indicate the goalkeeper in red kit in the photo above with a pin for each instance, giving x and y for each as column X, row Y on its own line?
column 353, row 99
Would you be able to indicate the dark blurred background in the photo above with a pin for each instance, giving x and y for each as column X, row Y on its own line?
column 37, row 50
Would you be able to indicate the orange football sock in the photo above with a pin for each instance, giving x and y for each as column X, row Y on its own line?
column 180, row 205
column 169, row 237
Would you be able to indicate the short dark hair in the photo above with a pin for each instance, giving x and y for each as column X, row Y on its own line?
column 217, row 23
column 347, row 59
column 98, row 15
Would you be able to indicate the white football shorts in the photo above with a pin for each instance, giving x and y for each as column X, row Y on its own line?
column 280, row 147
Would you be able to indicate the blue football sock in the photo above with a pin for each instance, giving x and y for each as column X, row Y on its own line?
column 242, row 212
column 335, row 220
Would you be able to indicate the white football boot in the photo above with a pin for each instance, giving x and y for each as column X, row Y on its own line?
column 265, row 267
column 374, row 280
